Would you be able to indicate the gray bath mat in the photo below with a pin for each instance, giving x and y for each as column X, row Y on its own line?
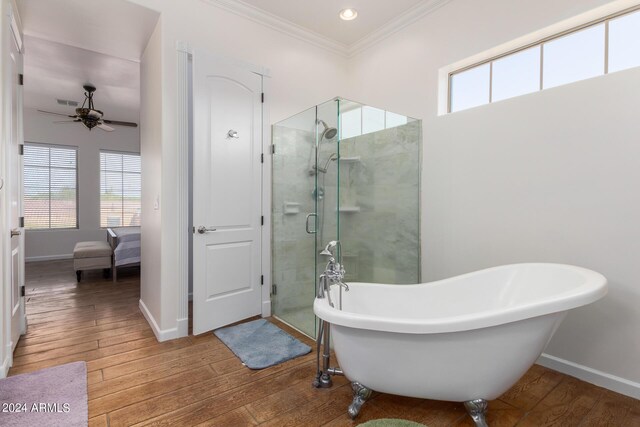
column 53, row 397
column 391, row 422
column 260, row 344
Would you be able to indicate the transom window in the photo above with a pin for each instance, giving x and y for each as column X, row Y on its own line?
column 601, row 47
column 120, row 189
column 50, row 187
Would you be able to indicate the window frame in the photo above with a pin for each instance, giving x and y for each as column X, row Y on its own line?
column 77, row 168
column 541, row 43
column 121, row 152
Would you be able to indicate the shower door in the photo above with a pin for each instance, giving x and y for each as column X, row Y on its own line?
column 304, row 209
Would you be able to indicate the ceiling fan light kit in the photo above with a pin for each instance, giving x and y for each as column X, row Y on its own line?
column 89, row 116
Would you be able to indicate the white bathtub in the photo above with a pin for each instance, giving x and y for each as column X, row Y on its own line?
column 460, row 339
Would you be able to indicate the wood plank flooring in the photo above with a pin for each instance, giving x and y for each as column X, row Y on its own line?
column 133, row 380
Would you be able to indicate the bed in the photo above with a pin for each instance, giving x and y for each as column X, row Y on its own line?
column 125, row 242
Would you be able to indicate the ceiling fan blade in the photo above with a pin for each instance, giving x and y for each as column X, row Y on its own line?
column 67, row 121
column 117, row 123
column 105, row 127
column 57, row 114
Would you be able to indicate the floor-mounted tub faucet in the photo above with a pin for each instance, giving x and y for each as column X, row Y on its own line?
column 333, row 275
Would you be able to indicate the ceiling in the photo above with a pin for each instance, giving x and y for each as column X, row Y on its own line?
column 322, row 17
column 72, row 42
column 122, row 29
column 57, row 71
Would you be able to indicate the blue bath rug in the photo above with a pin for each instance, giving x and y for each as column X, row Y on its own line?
column 260, row 344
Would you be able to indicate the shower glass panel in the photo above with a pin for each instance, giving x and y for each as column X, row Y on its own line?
column 349, row 172
column 304, row 208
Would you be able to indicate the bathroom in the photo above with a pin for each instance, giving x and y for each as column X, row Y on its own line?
column 464, row 150
column 525, row 179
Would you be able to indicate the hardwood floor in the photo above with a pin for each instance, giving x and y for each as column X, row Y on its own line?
column 134, row 380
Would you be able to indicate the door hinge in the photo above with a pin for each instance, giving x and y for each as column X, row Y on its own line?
column 262, row 97
column 21, row 149
column 21, row 222
column 273, row 148
column 194, row 230
column 262, row 220
column 22, row 291
column 21, row 79
column 262, row 280
column 274, row 289
column 262, row 158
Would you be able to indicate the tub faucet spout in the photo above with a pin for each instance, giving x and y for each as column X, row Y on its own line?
column 333, row 273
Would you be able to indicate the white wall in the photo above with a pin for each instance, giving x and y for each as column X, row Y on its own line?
column 151, row 152
column 302, row 76
column 38, row 127
column 544, row 177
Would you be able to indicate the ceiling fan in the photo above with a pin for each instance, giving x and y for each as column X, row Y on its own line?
column 89, row 116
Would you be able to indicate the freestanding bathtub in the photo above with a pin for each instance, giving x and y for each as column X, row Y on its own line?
column 467, row 339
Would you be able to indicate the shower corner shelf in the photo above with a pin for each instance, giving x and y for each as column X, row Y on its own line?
column 349, row 209
column 291, row 208
column 355, row 159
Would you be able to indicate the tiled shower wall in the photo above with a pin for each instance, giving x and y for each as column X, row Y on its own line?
column 378, row 212
column 379, row 205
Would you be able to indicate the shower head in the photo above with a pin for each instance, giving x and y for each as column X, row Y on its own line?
column 323, row 169
column 328, row 132
column 328, row 250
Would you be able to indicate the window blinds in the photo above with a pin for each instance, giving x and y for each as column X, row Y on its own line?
column 50, row 187
column 120, row 189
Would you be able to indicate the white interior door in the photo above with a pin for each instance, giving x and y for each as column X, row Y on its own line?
column 227, row 192
column 14, row 168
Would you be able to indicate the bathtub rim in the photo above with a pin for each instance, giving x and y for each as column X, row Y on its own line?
column 594, row 288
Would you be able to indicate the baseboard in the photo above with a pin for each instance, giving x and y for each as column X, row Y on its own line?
column 266, row 308
column 590, row 375
column 4, row 368
column 48, row 257
column 161, row 334
column 183, row 328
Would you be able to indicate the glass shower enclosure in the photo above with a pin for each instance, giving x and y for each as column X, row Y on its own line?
column 343, row 171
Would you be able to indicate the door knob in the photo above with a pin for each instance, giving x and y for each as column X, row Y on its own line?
column 232, row 134
column 202, row 229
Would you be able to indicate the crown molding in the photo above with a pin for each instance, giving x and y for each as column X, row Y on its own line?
column 403, row 20
column 285, row 26
column 282, row 25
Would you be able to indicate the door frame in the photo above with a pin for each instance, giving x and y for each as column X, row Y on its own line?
column 11, row 33
column 184, row 172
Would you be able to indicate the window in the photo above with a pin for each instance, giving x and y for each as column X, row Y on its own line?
column 364, row 119
column 50, row 187
column 372, row 119
column 120, row 189
column 470, row 88
column 600, row 47
column 516, row 74
column 574, row 57
column 624, row 42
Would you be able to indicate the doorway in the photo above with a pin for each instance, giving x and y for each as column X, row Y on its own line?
column 75, row 157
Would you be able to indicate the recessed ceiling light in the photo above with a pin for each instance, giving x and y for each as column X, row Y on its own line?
column 348, row 14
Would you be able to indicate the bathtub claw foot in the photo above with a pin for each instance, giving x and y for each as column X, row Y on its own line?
column 477, row 409
column 360, row 395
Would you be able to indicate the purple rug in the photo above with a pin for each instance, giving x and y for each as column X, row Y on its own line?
column 53, row 397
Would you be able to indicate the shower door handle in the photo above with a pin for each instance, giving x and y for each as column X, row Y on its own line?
column 307, row 223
